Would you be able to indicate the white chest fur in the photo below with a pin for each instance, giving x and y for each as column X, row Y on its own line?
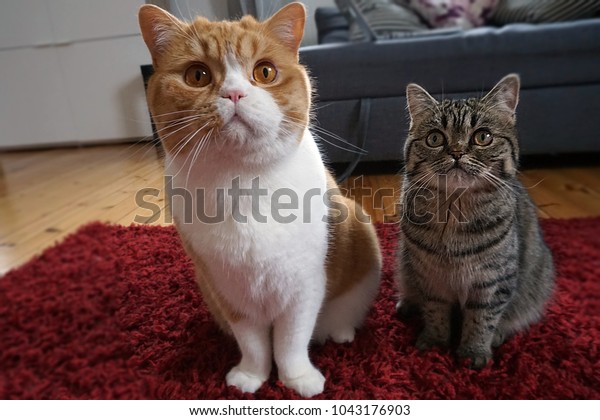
column 260, row 243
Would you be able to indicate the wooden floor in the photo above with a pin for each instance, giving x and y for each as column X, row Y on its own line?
column 45, row 195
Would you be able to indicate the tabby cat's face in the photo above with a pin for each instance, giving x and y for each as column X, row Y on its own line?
column 463, row 142
column 234, row 88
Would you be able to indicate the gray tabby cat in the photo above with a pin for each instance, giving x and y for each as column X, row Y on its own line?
column 470, row 237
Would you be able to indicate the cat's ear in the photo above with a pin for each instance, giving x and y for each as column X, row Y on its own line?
column 419, row 101
column 287, row 25
column 505, row 95
column 157, row 26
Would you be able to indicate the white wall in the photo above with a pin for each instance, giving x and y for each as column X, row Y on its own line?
column 210, row 9
column 70, row 72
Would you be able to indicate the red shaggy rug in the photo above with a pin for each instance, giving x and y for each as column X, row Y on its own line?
column 113, row 312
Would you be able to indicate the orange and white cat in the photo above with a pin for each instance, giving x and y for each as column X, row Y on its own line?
column 231, row 103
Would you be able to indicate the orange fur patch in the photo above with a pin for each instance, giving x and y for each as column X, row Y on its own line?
column 353, row 247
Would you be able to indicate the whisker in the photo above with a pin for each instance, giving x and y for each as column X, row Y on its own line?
column 164, row 137
column 167, row 122
column 176, row 124
column 189, row 155
column 173, row 112
column 340, row 147
column 179, row 148
column 199, row 147
column 315, row 129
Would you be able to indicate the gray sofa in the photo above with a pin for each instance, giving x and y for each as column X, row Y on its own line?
column 361, row 86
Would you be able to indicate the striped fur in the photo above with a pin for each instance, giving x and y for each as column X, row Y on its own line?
column 469, row 232
column 536, row 11
column 385, row 18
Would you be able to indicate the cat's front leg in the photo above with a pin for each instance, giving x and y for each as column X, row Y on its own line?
column 437, row 315
column 291, row 336
column 255, row 345
column 479, row 325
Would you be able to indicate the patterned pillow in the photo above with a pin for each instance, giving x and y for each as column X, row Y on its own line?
column 463, row 14
column 383, row 17
column 536, row 11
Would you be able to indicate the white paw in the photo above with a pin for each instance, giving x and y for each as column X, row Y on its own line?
column 245, row 381
column 309, row 384
column 344, row 335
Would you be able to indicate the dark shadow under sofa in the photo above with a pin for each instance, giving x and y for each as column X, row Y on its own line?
column 361, row 86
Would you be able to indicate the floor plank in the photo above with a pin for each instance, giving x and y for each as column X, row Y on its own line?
column 47, row 194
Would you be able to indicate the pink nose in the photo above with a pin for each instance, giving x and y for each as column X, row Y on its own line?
column 234, row 95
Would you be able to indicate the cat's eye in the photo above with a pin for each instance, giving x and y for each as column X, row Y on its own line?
column 198, row 75
column 482, row 138
column 264, row 72
column 435, row 139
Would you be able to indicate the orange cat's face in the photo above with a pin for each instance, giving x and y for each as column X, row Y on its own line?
column 231, row 87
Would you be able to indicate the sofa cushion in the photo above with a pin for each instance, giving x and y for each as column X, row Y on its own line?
column 384, row 18
column 464, row 14
column 555, row 119
column 332, row 26
column 565, row 53
column 535, row 11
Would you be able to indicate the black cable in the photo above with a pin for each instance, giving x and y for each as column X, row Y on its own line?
column 362, row 129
